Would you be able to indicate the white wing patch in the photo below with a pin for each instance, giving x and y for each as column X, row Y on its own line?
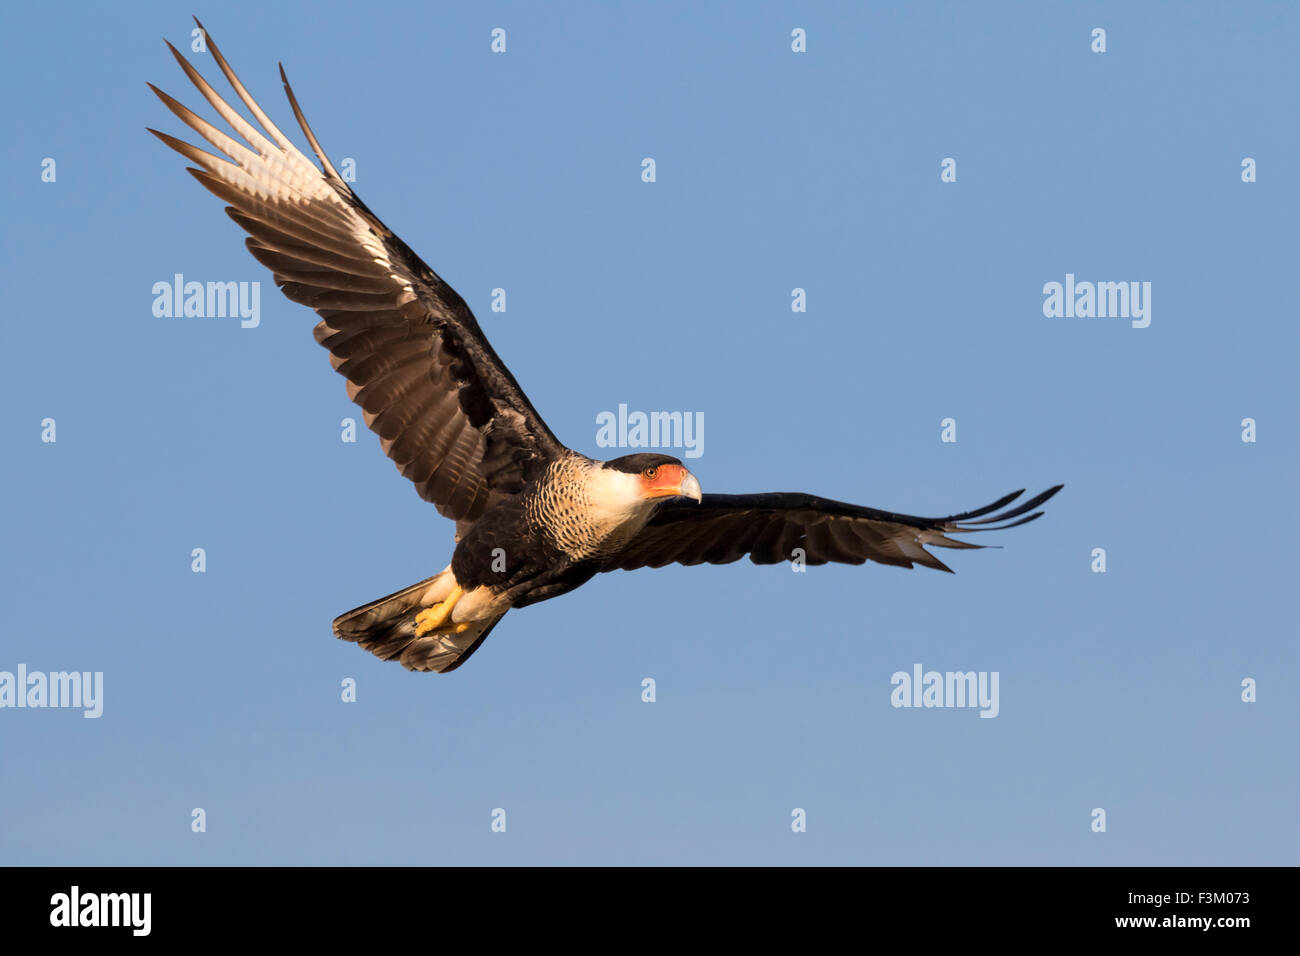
column 273, row 174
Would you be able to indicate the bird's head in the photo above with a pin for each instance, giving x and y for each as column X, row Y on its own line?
column 651, row 477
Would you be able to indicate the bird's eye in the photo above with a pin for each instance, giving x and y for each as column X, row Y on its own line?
column 651, row 472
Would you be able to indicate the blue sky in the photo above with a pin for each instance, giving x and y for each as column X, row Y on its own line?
column 775, row 171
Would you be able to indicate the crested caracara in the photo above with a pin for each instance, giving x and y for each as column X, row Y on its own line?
column 534, row 519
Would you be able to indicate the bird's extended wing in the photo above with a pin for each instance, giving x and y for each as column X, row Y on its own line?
column 770, row 527
column 447, row 411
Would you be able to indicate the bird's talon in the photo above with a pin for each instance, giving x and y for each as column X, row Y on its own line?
column 427, row 620
column 434, row 617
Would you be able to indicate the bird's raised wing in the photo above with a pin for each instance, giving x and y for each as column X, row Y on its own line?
column 770, row 527
column 447, row 411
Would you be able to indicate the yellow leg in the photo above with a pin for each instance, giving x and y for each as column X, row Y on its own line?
column 435, row 617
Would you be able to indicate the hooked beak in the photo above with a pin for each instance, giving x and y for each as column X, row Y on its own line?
column 690, row 488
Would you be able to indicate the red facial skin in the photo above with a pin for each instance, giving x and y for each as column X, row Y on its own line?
column 666, row 483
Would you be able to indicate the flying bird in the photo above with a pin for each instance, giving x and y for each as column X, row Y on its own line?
column 534, row 518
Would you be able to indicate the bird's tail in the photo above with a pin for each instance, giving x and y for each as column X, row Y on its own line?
column 387, row 628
